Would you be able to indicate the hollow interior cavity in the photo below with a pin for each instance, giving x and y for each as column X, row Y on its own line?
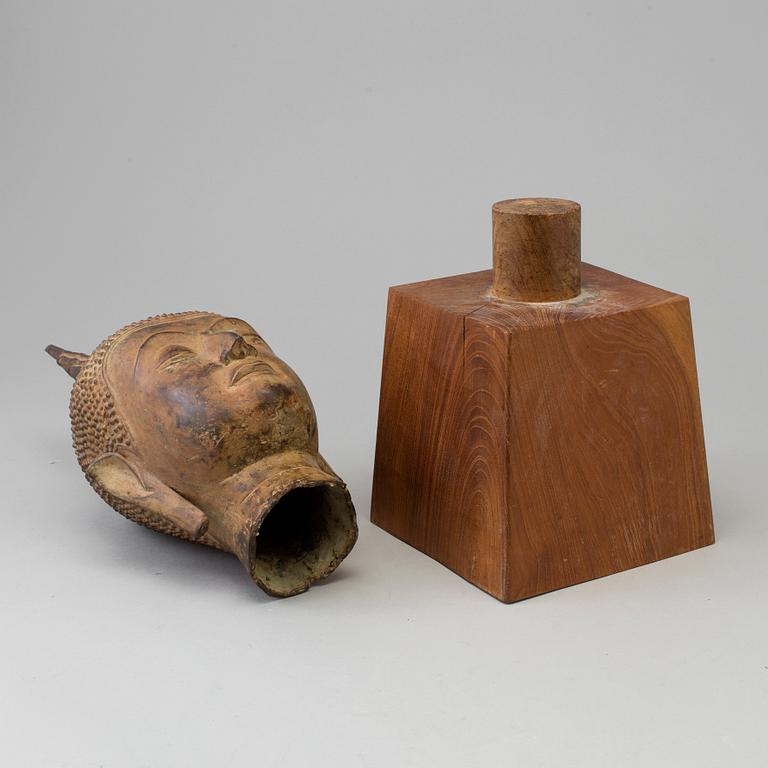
column 303, row 537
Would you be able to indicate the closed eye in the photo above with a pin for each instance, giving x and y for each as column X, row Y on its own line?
column 172, row 356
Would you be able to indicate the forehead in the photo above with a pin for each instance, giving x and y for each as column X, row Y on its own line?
column 199, row 325
column 123, row 354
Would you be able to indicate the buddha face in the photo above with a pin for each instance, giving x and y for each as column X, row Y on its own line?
column 204, row 396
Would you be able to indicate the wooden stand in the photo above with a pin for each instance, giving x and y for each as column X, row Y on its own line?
column 540, row 425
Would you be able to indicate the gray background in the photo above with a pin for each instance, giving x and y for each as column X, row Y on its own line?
column 286, row 163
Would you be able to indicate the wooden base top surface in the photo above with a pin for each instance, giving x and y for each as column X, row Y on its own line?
column 603, row 293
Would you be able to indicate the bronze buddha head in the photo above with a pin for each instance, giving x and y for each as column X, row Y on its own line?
column 191, row 425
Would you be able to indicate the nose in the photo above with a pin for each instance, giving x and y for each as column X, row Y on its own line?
column 238, row 349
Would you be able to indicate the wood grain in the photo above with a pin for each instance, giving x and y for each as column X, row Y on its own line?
column 529, row 447
column 416, row 477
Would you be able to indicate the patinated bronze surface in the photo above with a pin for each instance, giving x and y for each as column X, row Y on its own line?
column 190, row 425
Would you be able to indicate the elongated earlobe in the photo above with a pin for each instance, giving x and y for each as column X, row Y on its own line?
column 125, row 480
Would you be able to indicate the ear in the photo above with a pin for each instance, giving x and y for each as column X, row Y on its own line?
column 71, row 362
column 124, row 480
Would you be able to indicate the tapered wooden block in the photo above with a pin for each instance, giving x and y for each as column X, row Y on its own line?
column 529, row 444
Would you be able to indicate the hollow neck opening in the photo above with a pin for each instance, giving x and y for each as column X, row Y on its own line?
column 304, row 536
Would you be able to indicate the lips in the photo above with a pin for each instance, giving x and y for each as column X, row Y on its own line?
column 248, row 368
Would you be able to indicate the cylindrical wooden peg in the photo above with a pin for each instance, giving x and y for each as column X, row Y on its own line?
column 536, row 249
